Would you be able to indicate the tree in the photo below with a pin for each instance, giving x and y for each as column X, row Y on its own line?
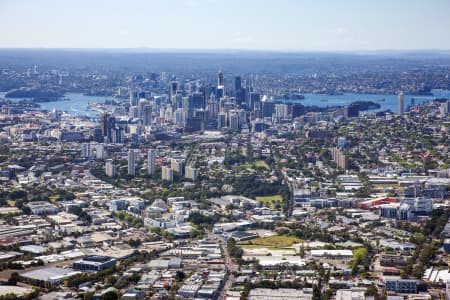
column 14, row 278
column 179, row 276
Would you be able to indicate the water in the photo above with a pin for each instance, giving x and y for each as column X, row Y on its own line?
column 78, row 103
column 390, row 101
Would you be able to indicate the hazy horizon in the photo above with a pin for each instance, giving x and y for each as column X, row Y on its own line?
column 281, row 26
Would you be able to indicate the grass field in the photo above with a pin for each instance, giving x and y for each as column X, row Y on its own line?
column 262, row 163
column 269, row 200
column 275, row 241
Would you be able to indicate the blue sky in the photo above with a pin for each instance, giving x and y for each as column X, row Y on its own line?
column 334, row 25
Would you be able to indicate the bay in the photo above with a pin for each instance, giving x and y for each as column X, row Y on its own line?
column 77, row 103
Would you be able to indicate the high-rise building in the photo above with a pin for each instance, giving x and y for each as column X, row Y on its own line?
column 108, row 124
column 191, row 173
column 133, row 112
column 173, row 88
column 222, row 120
column 110, row 168
column 133, row 98
column 339, row 158
column 151, row 156
column 237, row 83
column 177, row 165
column 131, row 162
column 253, row 99
column 220, row 81
column 281, row 111
column 85, row 150
column 401, row 104
column 234, row 120
column 167, row 174
column 99, row 151
column 147, row 115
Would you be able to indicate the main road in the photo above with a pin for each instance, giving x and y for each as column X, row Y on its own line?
column 230, row 266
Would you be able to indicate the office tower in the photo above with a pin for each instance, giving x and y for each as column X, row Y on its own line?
column 142, row 102
column 298, row 110
column 116, row 135
column 151, row 157
column 177, row 101
column 191, row 173
column 258, row 125
column 268, row 109
column 167, row 174
column 177, row 166
column 97, row 135
column 173, row 88
column 131, row 162
column 147, row 115
column 198, row 101
column 401, row 104
column 220, row 81
column 237, row 83
column 242, row 117
column 253, row 99
column 222, row 120
column 220, row 91
column 107, row 123
column 281, row 111
column 133, row 113
column 351, row 111
column 213, row 106
column 234, row 120
column 110, row 168
column 100, row 151
column 85, row 150
column 133, row 98
column 178, row 117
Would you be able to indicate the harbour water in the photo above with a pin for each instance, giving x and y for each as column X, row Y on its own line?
column 77, row 104
column 387, row 102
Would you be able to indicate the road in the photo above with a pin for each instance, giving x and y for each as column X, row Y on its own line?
column 230, row 266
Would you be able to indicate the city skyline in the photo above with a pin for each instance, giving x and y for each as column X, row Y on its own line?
column 213, row 25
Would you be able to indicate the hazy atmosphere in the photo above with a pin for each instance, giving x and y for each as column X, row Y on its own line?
column 210, row 24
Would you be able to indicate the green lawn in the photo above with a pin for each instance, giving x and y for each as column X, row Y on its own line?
column 262, row 163
column 275, row 241
column 269, row 200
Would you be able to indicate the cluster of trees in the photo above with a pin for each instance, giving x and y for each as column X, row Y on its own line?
column 427, row 244
column 252, row 186
column 33, row 295
column 359, row 256
column 34, row 193
column 234, row 250
column 78, row 279
column 84, row 216
column 134, row 242
column 163, row 233
column 134, row 221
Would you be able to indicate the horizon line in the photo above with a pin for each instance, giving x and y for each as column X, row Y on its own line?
column 213, row 50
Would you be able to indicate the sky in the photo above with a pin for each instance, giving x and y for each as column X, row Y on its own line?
column 291, row 25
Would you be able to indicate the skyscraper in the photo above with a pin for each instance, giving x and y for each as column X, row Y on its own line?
column 133, row 98
column 167, row 174
column 131, row 163
column 401, row 104
column 191, row 173
column 220, row 81
column 151, row 156
column 110, row 168
column 237, row 83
